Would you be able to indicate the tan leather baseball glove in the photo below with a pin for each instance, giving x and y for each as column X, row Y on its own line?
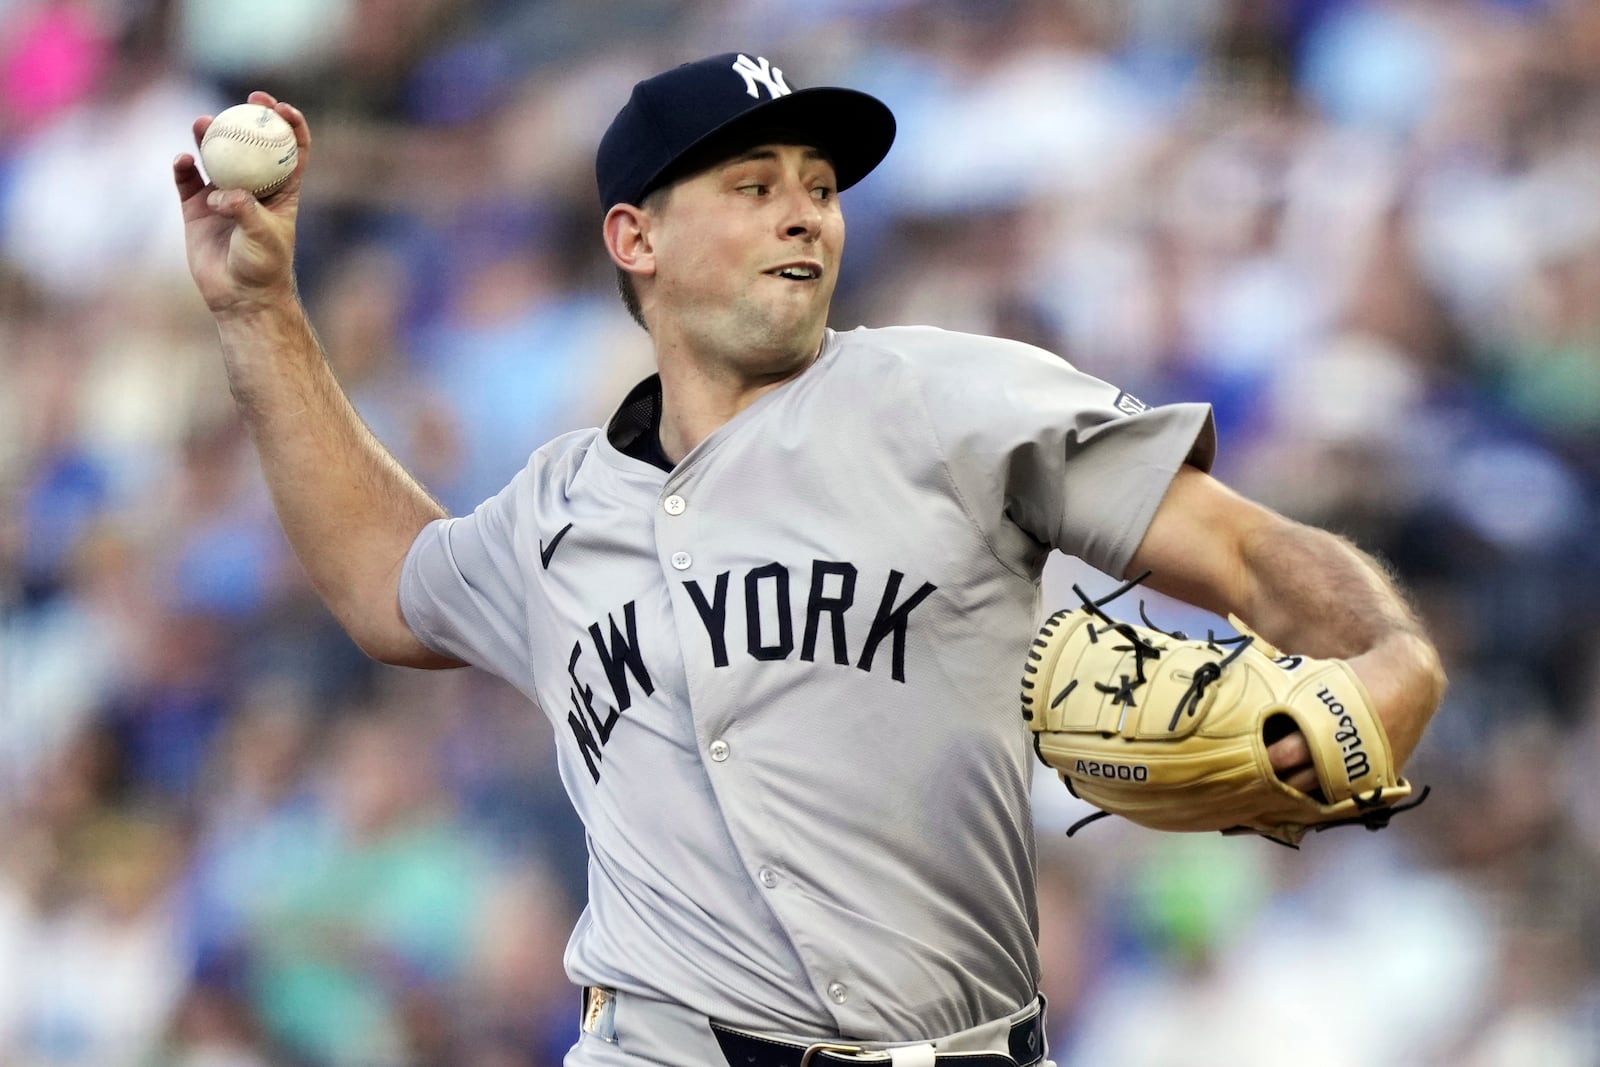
column 1172, row 732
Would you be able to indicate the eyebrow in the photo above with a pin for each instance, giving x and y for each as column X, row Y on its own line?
column 763, row 154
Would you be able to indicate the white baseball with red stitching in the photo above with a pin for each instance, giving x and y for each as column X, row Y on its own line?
column 249, row 146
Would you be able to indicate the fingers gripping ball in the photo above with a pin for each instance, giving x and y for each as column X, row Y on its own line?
column 249, row 146
column 1170, row 732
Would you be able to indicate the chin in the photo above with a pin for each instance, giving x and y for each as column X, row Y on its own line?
column 777, row 361
column 763, row 339
column 795, row 347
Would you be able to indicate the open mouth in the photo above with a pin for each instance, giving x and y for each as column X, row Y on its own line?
column 798, row 272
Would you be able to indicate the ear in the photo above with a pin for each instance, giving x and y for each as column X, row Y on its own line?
column 627, row 237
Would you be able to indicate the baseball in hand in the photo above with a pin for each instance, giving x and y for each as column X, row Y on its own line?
column 249, row 146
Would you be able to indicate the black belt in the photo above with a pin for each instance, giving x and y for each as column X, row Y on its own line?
column 742, row 1049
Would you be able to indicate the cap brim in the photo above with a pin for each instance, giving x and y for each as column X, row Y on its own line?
column 853, row 128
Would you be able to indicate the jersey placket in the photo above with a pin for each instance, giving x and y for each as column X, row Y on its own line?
column 688, row 557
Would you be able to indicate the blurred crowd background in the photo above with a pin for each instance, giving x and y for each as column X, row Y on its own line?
column 1368, row 231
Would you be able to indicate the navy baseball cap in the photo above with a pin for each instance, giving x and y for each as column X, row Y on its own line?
column 679, row 118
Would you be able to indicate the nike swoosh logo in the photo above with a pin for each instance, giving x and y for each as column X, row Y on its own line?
column 545, row 552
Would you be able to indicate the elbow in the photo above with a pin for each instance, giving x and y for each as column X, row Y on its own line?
column 1405, row 682
column 1437, row 677
column 1426, row 666
column 383, row 634
column 403, row 651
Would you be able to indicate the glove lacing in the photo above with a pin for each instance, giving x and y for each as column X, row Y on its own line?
column 1144, row 650
column 1374, row 814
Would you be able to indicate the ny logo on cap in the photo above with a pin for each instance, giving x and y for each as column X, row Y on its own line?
column 759, row 71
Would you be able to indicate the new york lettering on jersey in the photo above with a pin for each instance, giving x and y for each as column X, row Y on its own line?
column 770, row 625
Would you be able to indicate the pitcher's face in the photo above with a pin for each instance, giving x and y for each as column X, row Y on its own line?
column 747, row 256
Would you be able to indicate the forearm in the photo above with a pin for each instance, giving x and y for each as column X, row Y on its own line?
column 1311, row 592
column 350, row 511
column 348, row 508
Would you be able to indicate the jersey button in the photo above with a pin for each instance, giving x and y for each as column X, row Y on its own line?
column 838, row 992
column 768, row 876
column 681, row 560
column 719, row 750
column 674, row 504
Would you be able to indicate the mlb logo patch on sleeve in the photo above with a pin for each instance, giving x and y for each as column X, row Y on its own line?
column 1129, row 404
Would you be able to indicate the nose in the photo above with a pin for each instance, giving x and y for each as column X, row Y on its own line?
column 803, row 219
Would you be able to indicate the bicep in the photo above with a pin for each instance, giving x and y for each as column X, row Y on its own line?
column 1197, row 545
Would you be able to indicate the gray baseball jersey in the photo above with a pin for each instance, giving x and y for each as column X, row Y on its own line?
column 784, row 675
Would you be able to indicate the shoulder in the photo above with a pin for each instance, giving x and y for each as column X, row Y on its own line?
column 932, row 345
column 963, row 366
column 551, row 472
column 558, row 461
column 569, row 447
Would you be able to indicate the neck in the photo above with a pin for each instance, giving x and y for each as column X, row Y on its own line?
column 698, row 397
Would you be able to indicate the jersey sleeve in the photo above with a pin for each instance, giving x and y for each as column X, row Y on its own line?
column 461, row 588
column 1073, row 461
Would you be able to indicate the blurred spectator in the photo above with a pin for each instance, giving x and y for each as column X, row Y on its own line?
column 95, row 956
column 86, row 204
column 361, row 930
column 50, row 59
column 514, row 353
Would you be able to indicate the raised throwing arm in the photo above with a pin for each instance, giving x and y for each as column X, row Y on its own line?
column 348, row 507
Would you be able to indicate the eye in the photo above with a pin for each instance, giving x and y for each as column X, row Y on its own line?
column 824, row 193
column 753, row 189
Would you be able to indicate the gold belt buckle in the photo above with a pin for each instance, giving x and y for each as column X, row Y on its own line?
column 600, row 1013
